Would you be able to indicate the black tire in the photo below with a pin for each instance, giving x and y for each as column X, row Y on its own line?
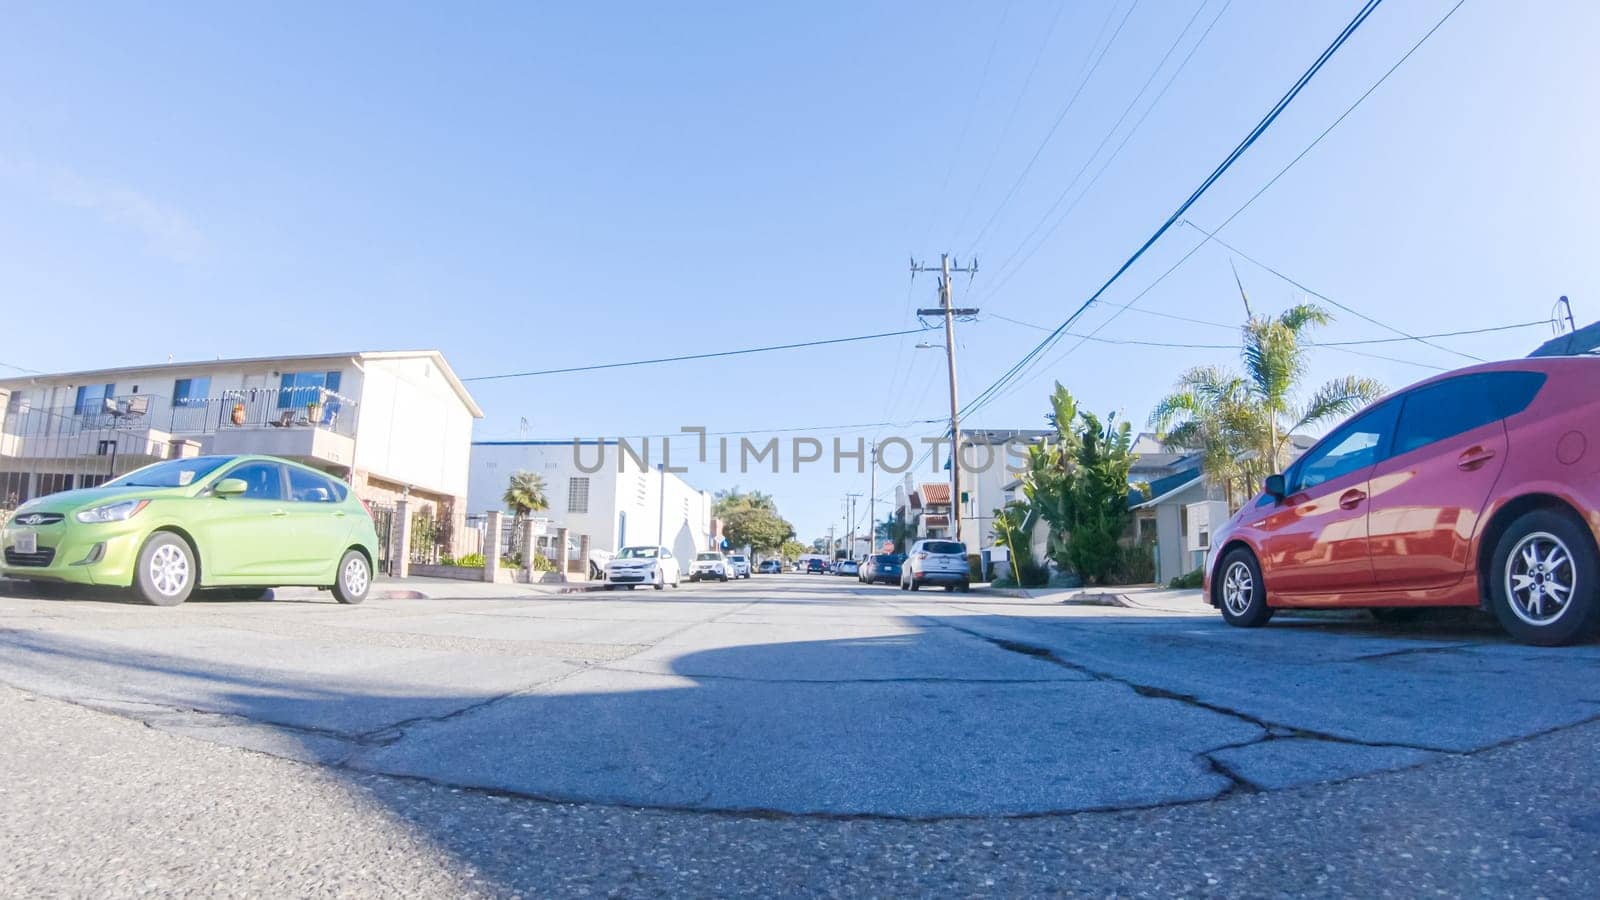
column 1249, row 609
column 167, row 572
column 966, row 587
column 610, row 587
column 949, row 589
column 1521, row 611
column 352, row 581
column 904, row 586
column 915, row 584
column 661, row 581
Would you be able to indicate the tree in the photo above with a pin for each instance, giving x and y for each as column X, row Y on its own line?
column 792, row 550
column 1100, row 514
column 894, row 529
column 733, row 498
column 760, row 529
column 1242, row 422
column 1013, row 530
column 525, row 494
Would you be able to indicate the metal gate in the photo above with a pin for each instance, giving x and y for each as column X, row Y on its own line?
column 383, row 523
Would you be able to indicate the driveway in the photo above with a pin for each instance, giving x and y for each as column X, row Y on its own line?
column 802, row 694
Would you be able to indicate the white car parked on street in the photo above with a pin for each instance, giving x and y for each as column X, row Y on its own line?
column 633, row 566
column 710, row 566
column 939, row 562
column 741, row 565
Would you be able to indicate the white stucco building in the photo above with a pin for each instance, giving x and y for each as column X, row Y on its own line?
column 391, row 423
column 596, row 489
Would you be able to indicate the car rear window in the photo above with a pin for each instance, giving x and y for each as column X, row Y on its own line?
column 885, row 559
column 945, row 547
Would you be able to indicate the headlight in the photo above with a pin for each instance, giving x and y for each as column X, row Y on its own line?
column 120, row 511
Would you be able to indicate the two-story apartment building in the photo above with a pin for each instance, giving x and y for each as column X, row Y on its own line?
column 598, row 490
column 391, row 423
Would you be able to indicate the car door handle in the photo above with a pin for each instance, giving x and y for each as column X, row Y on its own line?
column 1351, row 499
column 338, row 514
column 279, row 513
column 1474, row 459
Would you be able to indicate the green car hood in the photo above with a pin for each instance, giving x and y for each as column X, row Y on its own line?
column 72, row 501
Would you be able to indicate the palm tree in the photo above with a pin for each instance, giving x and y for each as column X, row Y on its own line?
column 525, row 494
column 1242, row 423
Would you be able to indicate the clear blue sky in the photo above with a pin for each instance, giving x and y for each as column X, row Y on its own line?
column 530, row 187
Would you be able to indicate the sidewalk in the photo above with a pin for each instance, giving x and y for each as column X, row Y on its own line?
column 1145, row 596
column 419, row 588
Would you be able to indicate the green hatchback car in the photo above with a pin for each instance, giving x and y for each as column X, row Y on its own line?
column 235, row 523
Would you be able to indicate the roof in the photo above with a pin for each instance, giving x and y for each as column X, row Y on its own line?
column 357, row 355
column 934, row 493
column 1584, row 340
column 1170, row 493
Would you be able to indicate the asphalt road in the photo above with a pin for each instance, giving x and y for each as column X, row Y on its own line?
column 784, row 735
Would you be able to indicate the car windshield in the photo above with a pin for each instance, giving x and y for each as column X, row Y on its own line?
column 708, row 556
column 172, row 473
column 737, row 558
column 638, row 553
column 945, row 547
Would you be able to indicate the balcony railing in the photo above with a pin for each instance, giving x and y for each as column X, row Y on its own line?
column 303, row 407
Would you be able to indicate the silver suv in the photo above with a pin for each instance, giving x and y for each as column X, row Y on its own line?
column 936, row 561
column 740, row 564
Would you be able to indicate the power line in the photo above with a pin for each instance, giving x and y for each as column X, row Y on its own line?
column 1005, row 130
column 1274, row 180
column 1005, row 271
column 1244, row 145
column 1061, row 117
column 23, row 369
column 693, row 356
column 1356, row 343
column 1212, row 236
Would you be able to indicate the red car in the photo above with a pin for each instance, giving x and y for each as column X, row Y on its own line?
column 1474, row 488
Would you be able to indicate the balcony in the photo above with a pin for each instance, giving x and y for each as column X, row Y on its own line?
column 310, row 424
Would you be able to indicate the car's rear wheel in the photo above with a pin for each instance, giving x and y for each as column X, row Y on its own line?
column 1241, row 591
column 915, row 584
column 1544, row 582
column 354, row 580
column 167, row 573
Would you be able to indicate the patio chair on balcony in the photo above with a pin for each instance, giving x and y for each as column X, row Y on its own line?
column 285, row 420
column 136, row 407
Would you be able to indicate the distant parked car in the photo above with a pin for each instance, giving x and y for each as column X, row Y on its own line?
column 846, row 567
column 770, row 567
column 816, row 567
column 236, row 523
column 1471, row 488
column 710, row 566
column 740, row 564
column 633, row 566
column 881, row 567
column 936, row 562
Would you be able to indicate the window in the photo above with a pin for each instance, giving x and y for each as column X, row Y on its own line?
column 172, row 473
column 309, row 487
column 190, row 392
column 944, row 547
column 92, row 398
column 263, row 480
column 1355, row 445
column 296, row 389
column 577, row 495
column 1457, row 405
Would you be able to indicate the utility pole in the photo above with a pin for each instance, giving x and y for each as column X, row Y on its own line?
column 850, row 504
column 661, row 512
column 872, row 505
column 947, row 308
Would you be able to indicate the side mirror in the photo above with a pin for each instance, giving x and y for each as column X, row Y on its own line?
column 229, row 487
column 1275, row 487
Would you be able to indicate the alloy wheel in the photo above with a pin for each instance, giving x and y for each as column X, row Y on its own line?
column 1238, row 588
column 356, row 577
column 1540, row 579
column 169, row 570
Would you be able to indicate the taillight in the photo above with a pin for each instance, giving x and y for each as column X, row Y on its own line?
column 919, row 555
column 368, row 507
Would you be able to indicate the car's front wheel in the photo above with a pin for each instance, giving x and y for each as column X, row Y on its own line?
column 167, row 572
column 355, row 578
column 661, row 581
column 1241, row 592
column 1544, row 579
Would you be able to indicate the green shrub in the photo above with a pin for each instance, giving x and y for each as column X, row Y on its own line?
column 470, row 561
column 1033, row 574
column 1191, row 580
column 1137, row 565
column 540, row 564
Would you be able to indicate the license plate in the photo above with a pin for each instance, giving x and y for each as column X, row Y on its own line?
column 25, row 542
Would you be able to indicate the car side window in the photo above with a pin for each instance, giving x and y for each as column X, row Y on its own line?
column 263, row 480
column 309, row 487
column 1447, row 408
column 1355, row 445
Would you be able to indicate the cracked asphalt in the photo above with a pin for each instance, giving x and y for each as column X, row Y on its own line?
column 788, row 734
